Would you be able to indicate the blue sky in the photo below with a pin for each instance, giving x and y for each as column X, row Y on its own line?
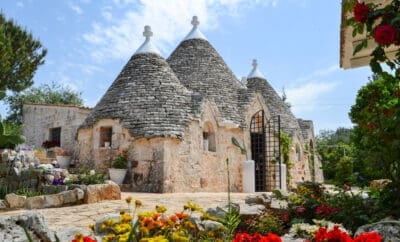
column 296, row 43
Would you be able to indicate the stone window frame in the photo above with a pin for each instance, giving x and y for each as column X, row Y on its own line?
column 209, row 141
column 105, row 131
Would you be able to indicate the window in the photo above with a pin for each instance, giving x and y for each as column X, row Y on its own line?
column 55, row 135
column 105, row 136
column 209, row 138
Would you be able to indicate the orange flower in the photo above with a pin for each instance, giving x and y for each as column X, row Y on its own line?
column 174, row 218
column 148, row 223
column 181, row 215
column 160, row 223
column 156, row 216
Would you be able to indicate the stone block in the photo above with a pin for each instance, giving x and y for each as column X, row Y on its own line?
column 80, row 194
column 96, row 193
column 69, row 197
column 34, row 202
column 251, row 210
column 15, row 201
column 54, row 200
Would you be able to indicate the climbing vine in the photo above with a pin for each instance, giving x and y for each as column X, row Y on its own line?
column 286, row 142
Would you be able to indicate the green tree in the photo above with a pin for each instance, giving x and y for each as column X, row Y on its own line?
column 336, row 152
column 20, row 56
column 377, row 131
column 44, row 94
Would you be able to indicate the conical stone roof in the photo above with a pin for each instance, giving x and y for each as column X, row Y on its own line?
column 274, row 102
column 202, row 70
column 147, row 98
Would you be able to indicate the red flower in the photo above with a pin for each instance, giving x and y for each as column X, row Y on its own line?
column 336, row 235
column 368, row 237
column 285, row 217
column 360, row 12
column 300, row 210
column 84, row 239
column 385, row 34
column 245, row 237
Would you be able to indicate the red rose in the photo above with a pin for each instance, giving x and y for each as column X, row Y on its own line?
column 360, row 11
column 385, row 34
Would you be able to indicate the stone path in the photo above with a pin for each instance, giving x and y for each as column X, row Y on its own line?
column 81, row 216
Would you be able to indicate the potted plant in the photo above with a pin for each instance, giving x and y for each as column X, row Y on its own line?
column 248, row 168
column 118, row 168
column 63, row 157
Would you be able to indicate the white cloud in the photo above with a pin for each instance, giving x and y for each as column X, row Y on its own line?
column 307, row 97
column 75, row 8
column 106, row 15
column 319, row 73
column 170, row 22
column 20, row 4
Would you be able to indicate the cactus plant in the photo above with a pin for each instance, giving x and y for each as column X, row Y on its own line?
column 243, row 149
column 9, row 136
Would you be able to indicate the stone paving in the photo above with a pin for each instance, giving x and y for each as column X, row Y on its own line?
column 80, row 216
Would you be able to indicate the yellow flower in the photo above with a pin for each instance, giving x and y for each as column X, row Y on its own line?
column 145, row 215
column 128, row 199
column 122, row 228
column 123, row 237
column 109, row 237
column 179, row 237
column 161, row 209
column 193, row 207
column 138, row 203
column 125, row 218
column 91, row 227
column 159, row 238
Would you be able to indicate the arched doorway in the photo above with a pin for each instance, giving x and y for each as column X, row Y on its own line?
column 257, row 135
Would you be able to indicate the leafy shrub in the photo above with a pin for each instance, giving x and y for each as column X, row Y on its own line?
column 28, row 192
column 120, row 161
column 91, row 179
column 4, row 191
column 267, row 223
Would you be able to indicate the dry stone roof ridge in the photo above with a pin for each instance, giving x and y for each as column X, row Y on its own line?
column 147, row 98
column 305, row 126
column 202, row 70
column 275, row 104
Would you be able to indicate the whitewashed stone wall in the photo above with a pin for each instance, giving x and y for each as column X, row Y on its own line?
column 38, row 119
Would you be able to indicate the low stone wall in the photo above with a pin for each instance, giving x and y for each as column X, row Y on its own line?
column 77, row 195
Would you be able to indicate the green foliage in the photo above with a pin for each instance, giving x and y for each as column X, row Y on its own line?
column 120, row 161
column 389, row 201
column 242, row 148
column 354, row 210
column 4, row 191
column 91, row 179
column 28, row 192
column 376, row 115
column 336, row 151
column 20, row 57
column 267, row 223
column 44, row 94
column 10, row 135
column 286, row 142
column 231, row 222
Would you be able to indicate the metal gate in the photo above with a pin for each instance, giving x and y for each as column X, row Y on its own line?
column 265, row 151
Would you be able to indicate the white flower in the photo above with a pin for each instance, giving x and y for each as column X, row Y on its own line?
column 92, row 172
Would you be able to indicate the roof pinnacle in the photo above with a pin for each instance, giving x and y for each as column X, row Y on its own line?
column 147, row 46
column 195, row 21
column 255, row 73
column 147, row 32
column 195, row 32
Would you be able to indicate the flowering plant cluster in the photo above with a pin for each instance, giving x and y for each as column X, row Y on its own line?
column 245, row 237
column 325, row 210
column 323, row 235
column 381, row 23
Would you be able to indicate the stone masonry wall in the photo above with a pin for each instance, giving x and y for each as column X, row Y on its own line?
column 38, row 119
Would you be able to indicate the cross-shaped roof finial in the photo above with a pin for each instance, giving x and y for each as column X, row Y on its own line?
column 147, row 32
column 195, row 21
column 254, row 64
